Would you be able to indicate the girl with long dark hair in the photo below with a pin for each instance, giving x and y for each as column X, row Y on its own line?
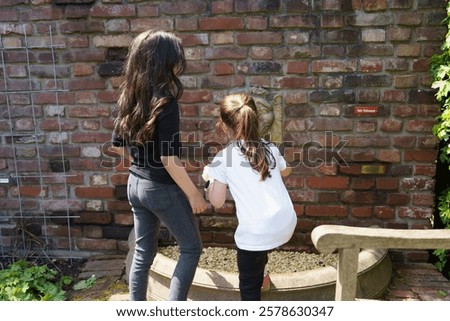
column 159, row 188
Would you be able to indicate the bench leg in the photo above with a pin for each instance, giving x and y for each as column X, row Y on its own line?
column 347, row 270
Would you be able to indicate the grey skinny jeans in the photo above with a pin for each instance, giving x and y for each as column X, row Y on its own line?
column 151, row 204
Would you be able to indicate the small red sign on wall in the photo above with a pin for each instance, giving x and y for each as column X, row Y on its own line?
column 365, row 110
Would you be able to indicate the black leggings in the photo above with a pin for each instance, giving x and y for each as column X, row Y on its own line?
column 251, row 273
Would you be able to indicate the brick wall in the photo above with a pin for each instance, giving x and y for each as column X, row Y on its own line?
column 357, row 104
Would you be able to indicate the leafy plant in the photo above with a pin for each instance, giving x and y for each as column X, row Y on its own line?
column 85, row 284
column 22, row 281
column 440, row 71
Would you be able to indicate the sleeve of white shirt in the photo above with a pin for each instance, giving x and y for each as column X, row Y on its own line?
column 217, row 168
column 279, row 158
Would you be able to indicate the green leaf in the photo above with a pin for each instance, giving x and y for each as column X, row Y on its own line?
column 85, row 284
column 66, row 280
column 442, row 293
column 23, row 282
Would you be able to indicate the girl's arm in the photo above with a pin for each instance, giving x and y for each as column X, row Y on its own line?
column 121, row 151
column 217, row 193
column 286, row 171
column 178, row 173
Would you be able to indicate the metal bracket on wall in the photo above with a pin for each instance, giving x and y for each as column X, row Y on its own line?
column 4, row 180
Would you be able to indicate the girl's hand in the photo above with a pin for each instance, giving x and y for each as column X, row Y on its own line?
column 177, row 171
column 198, row 203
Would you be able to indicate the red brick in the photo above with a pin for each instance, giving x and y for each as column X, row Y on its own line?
column 364, row 211
column 190, row 40
column 420, row 125
column 389, row 156
column 332, row 21
column 394, row 199
column 228, row 52
column 86, row 137
column 405, row 111
column 96, row 244
column 426, row 170
column 62, row 231
column 327, row 197
column 195, row 67
column 223, row 69
column 101, row 218
column 370, row 65
column 94, row 192
column 362, row 197
column 386, row 183
column 81, row 27
column 294, row 181
column 220, row 7
column 393, row 96
column 408, row 50
column 306, row 21
column 113, row 11
column 108, row 96
column 143, row 24
column 423, row 199
column 330, row 66
column 361, row 183
column 404, row 141
column 327, row 182
column 224, row 23
column 86, row 84
column 124, row 219
column 384, row 212
column 196, row 96
column 295, row 82
column 256, row 23
column 62, row 205
column 428, row 110
column 144, row 10
column 374, row 5
column 415, row 213
column 186, row 24
column 251, row 38
column 183, row 7
column 118, row 206
column 326, row 210
column 420, row 155
column 88, row 111
column 297, row 67
column 391, row 125
column 30, row 191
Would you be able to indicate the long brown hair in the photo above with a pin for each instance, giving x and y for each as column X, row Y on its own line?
column 238, row 112
column 154, row 61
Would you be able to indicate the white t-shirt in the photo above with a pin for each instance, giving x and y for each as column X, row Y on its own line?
column 266, row 216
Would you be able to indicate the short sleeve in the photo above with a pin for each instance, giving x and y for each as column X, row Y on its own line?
column 279, row 158
column 169, row 130
column 117, row 141
column 217, row 168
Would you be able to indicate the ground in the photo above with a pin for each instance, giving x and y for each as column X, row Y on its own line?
column 109, row 272
column 109, row 275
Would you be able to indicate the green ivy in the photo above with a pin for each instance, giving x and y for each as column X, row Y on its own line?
column 22, row 281
column 440, row 71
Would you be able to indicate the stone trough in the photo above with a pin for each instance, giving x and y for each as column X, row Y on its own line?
column 374, row 274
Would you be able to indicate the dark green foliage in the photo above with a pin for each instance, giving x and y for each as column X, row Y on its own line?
column 440, row 71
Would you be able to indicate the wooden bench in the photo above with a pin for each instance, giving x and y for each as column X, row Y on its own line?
column 349, row 240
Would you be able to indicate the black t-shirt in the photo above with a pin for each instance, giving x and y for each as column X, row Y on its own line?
column 166, row 142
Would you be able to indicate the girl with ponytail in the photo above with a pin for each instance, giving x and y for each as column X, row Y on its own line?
column 252, row 169
column 159, row 188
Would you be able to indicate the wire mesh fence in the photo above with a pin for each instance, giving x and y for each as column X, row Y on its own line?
column 35, row 214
